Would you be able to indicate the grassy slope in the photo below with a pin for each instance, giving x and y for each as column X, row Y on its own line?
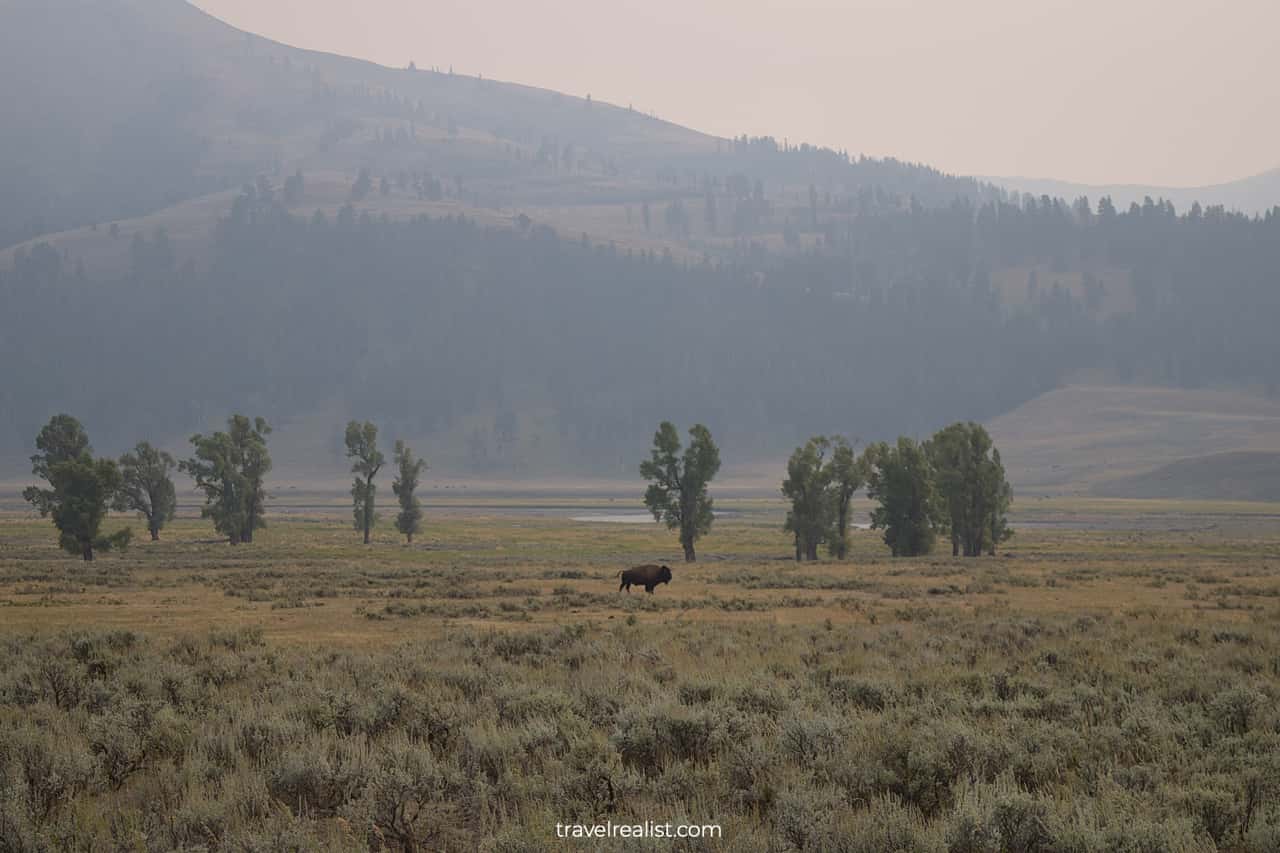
column 1070, row 440
column 1242, row 475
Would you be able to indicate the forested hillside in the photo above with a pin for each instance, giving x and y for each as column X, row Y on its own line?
column 140, row 104
column 517, row 351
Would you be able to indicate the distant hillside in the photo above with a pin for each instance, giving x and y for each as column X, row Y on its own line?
column 1241, row 476
column 1108, row 439
column 1253, row 195
column 116, row 109
column 526, row 283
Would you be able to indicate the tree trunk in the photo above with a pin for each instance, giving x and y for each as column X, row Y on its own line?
column 410, row 535
column 86, row 552
column 689, row 555
column 368, row 508
column 812, row 548
column 155, row 533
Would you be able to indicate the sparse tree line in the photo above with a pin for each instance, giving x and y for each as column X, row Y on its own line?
column 362, row 447
column 229, row 467
column 953, row 484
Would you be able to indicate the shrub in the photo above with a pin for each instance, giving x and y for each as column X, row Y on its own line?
column 858, row 693
column 318, row 779
column 803, row 816
column 749, row 770
column 406, row 803
column 1234, row 709
column 806, row 740
column 44, row 772
column 128, row 737
column 649, row 738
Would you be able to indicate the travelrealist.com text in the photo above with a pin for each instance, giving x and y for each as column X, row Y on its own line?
column 647, row 829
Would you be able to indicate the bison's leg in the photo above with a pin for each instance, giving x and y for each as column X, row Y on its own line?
column 649, row 588
column 621, row 585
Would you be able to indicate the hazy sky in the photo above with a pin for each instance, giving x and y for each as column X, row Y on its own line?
column 1174, row 92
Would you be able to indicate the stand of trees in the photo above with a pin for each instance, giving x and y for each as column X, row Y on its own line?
column 229, row 467
column 822, row 477
column 677, row 493
column 953, row 484
column 362, row 446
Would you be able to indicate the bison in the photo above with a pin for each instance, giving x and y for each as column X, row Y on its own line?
column 647, row 576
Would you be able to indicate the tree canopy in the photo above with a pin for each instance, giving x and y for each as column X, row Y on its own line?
column 677, row 494
column 409, row 469
column 146, row 486
column 81, row 488
column 972, row 486
column 901, row 480
column 362, row 447
column 230, row 468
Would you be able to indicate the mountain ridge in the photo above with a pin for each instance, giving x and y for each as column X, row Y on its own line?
column 1252, row 194
column 169, row 103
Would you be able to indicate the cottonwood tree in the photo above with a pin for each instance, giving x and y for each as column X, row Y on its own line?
column 1002, row 494
column 61, row 440
column 847, row 474
column 822, row 477
column 901, row 480
column 84, row 489
column 809, row 518
column 230, row 468
column 146, row 487
column 362, row 446
column 677, row 494
column 80, row 491
column 409, row 469
column 972, row 486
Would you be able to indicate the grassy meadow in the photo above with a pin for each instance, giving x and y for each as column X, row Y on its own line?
column 1107, row 683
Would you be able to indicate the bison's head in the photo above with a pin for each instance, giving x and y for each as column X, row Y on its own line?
column 664, row 574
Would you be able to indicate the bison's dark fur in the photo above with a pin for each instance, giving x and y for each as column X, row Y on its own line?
column 647, row 576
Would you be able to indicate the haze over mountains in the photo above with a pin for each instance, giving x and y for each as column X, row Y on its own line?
column 200, row 221
column 151, row 102
column 1252, row 195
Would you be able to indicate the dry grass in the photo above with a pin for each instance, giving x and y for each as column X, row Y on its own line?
column 309, row 580
column 1099, row 689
